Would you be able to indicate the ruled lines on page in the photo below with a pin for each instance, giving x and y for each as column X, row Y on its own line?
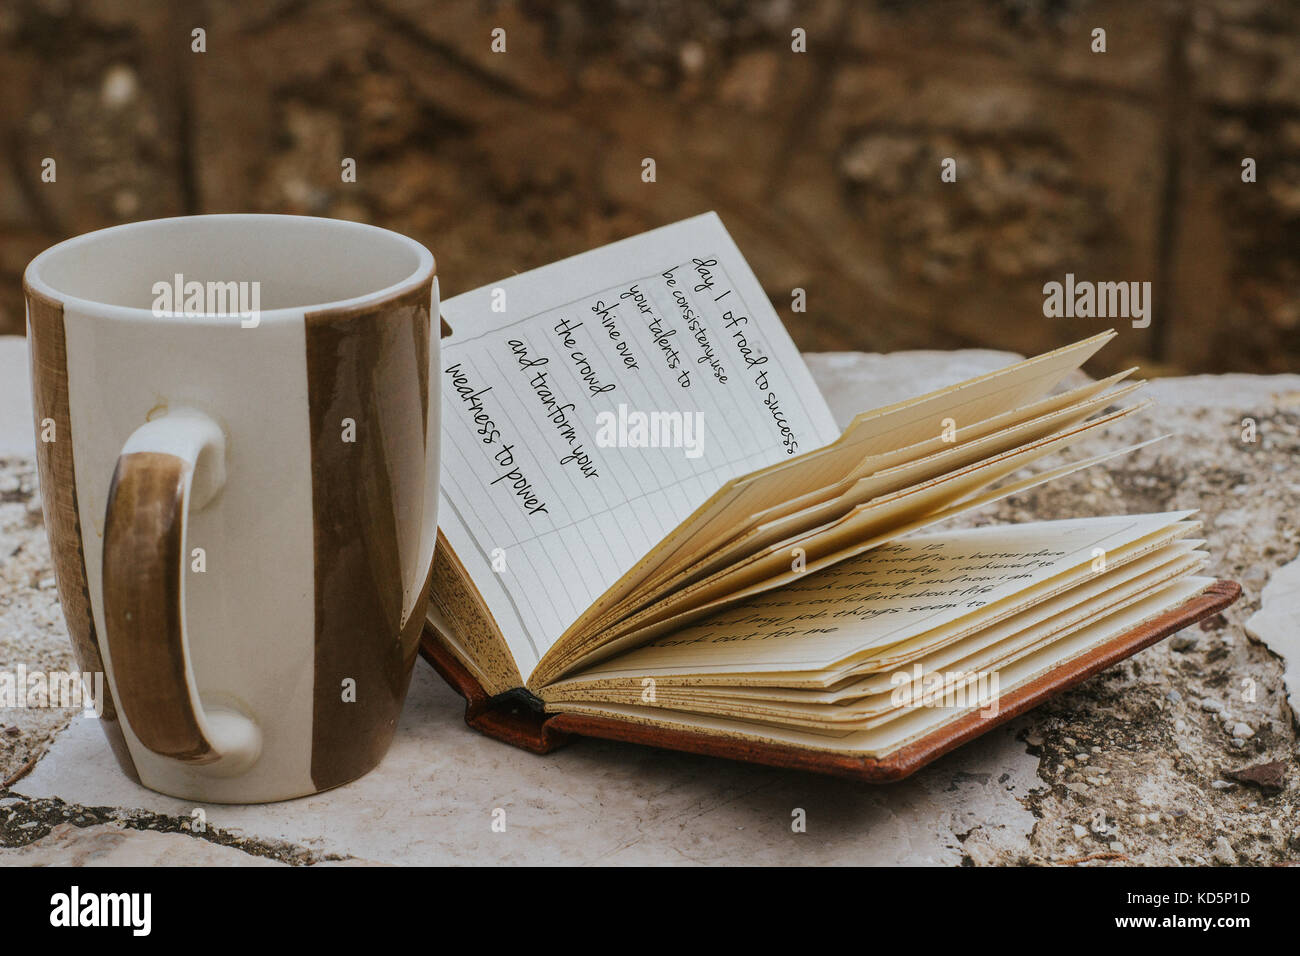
column 590, row 406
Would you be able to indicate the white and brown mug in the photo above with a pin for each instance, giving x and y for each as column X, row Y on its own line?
column 238, row 455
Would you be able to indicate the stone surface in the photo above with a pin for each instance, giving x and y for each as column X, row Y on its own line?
column 16, row 435
column 1129, row 758
column 32, row 631
column 432, row 801
column 105, row 845
column 1277, row 624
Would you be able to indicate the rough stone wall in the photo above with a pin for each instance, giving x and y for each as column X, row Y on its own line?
column 1123, row 165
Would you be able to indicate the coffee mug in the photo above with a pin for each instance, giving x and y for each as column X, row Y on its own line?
column 238, row 454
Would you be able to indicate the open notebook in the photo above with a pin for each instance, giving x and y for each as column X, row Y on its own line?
column 652, row 530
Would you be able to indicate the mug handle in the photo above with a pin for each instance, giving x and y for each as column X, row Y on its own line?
column 169, row 465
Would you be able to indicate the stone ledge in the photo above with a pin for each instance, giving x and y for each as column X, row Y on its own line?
column 1142, row 747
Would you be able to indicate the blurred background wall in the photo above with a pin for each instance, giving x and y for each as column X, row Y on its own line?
column 825, row 165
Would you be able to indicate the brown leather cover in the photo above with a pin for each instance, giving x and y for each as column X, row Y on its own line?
column 513, row 719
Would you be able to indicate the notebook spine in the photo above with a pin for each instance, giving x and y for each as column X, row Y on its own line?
column 516, row 717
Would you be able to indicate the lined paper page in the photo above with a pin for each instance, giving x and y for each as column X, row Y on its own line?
column 889, row 595
column 591, row 405
column 882, row 430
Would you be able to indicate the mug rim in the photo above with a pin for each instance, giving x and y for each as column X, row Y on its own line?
column 33, row 282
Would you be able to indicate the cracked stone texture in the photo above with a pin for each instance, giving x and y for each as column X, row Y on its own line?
column 105, row 845
column 432, row 799
column 1129, row 767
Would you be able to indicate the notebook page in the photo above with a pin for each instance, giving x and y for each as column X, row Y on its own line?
column 1051, row 618
column 861, row 675
column 905, row 588
column 888, row 515
column 1033, row 629
column 642, row 634
column 897, row 426
column 918, row 721
column 976, row 679
column 816, row 473
column 556, row 479
column 886, row 478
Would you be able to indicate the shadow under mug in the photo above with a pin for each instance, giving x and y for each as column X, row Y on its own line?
column 238, row 453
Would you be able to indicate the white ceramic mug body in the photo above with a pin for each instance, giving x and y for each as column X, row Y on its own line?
column 238, row 451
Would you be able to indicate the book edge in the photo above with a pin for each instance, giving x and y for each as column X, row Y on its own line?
column 506, row 719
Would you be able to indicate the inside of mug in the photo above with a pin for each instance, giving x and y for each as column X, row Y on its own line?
column 298, row 262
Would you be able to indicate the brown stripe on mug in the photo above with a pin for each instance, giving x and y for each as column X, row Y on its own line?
column 143, row 612
column 57, row 470
column 368, row 365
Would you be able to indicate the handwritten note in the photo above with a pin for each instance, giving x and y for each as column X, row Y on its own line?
column 886, row 595
column 591, row 405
